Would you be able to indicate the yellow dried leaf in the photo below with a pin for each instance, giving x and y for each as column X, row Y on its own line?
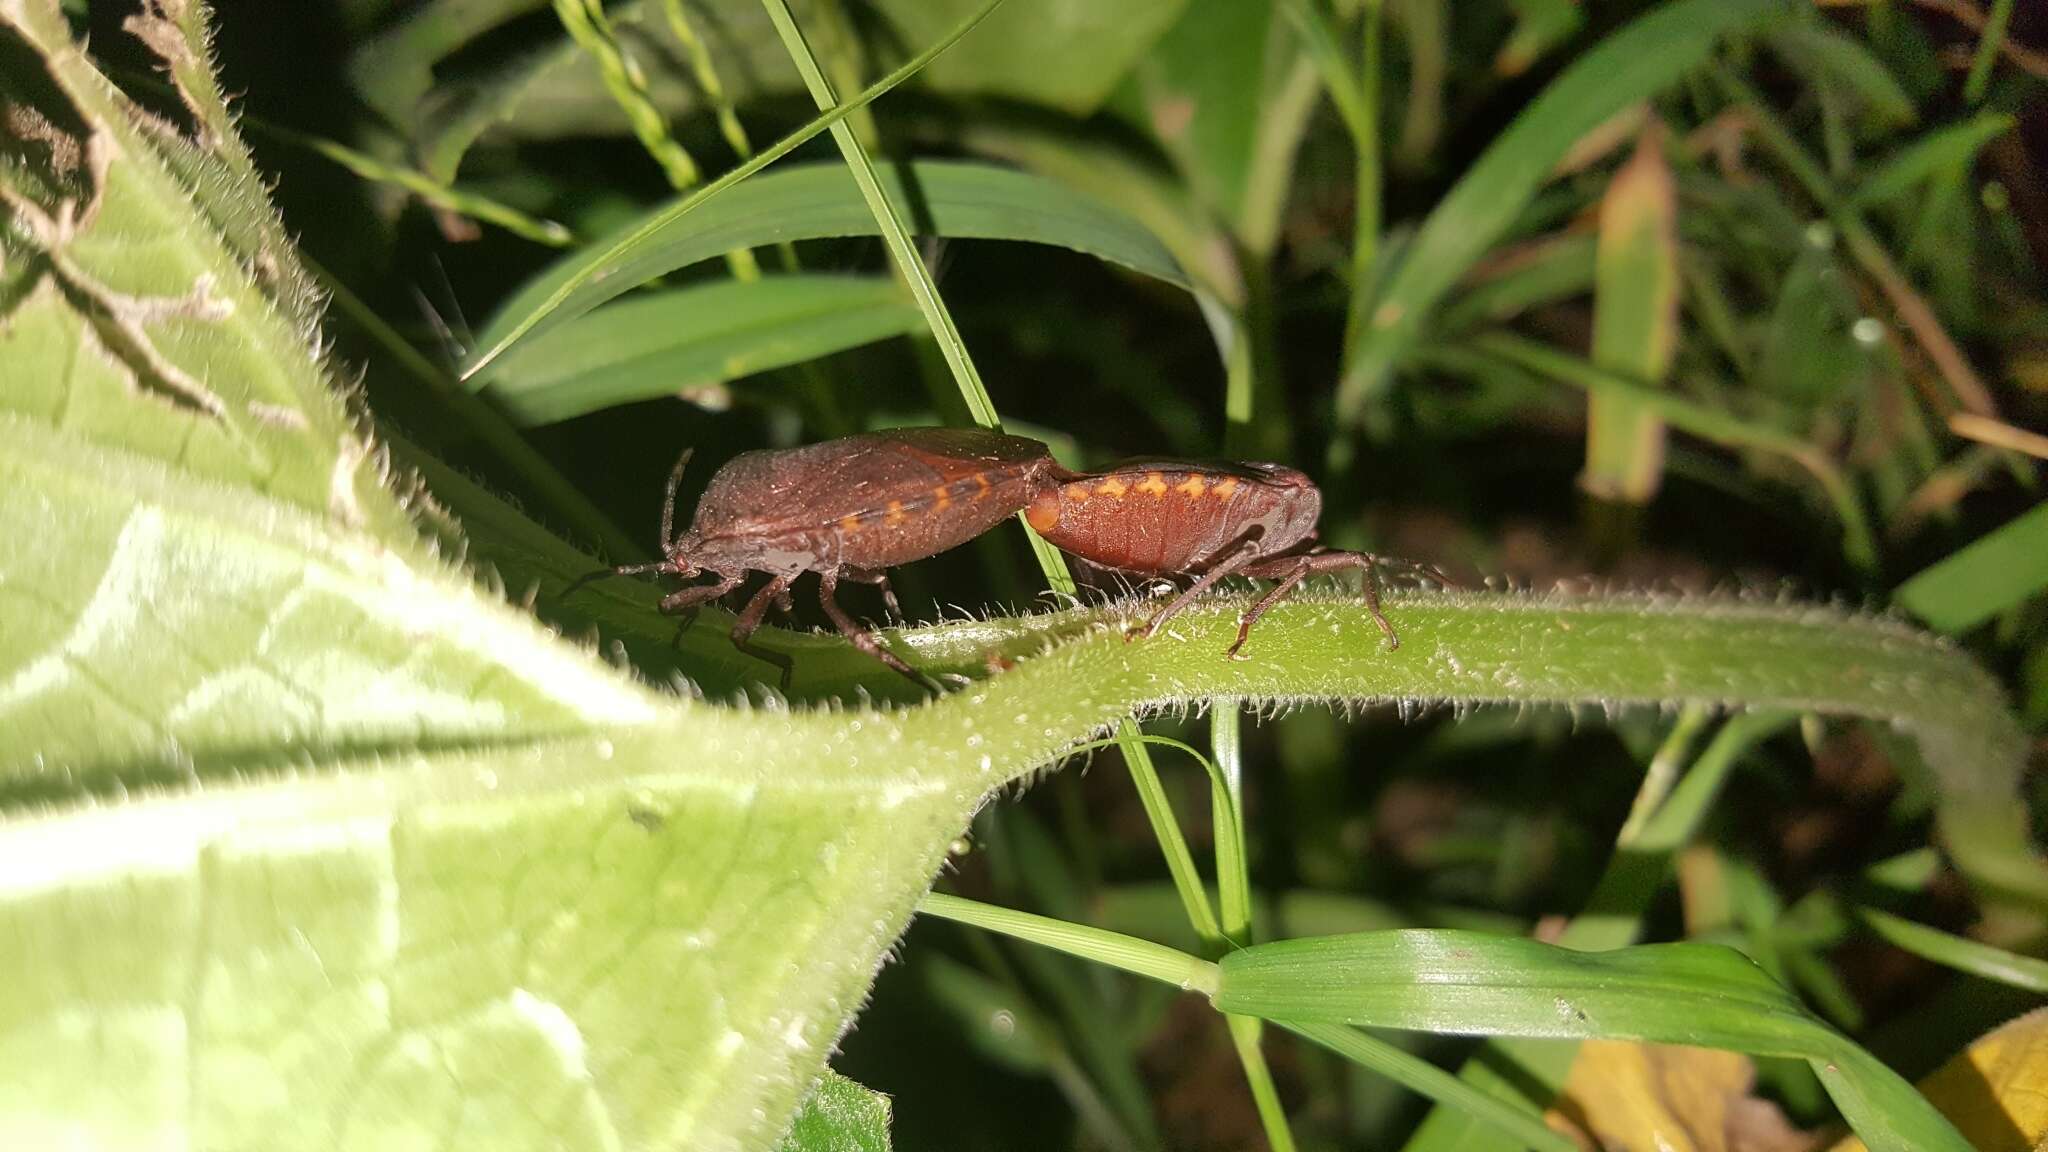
column 1671, row 1098
column 1995, row 1091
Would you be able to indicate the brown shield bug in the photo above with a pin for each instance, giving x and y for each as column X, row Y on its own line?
column 846, row 509
column 1174, row 518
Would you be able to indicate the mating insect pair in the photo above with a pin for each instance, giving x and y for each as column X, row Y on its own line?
column 853, row 507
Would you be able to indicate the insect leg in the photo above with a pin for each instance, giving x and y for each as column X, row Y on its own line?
column 880, row 580
column 684, row 602
column 1365, row 562
column 749, row 622
column 1245, row 554
column 828, row 585
column 1294, row 576
column 687, row 599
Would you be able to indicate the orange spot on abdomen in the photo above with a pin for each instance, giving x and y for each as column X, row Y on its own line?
column 1044, row 512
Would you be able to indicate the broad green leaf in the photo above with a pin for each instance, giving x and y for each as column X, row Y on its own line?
column 840, row 1116
column 1631, row 65
column 1940, row 151
column 1986, row 578
column 1463, row 982
column 1202, row 86
column 657, row 344
column 961, row 200
column 1067, row 54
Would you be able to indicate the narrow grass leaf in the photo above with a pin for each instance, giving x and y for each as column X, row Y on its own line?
column 659, row 343
column 1630, row 66
column 962, row 200
column 1989, row 576
column 1542, row 272
column 1821, row 52
column 1540, row 25
column 1940, row 151
column 1959, row 952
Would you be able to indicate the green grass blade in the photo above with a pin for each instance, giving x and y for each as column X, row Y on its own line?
column 1988, row 44
column 1943, row 150
column 1125, row 953
column 1542, row 272
column 1823, row 52
column 977, row 201
column 1959, row 952
column 1631, row 65
column 574, row 286
column 1459, row 982
column 1989, row 576
column 1700, row 420
column 659, row 343
column 1490, row 1116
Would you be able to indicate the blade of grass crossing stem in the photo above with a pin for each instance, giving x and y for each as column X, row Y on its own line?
column 1663, row 771
column 1470, row 983
column 1180, row 863
column 1991, row 575
column 1226, row 811
column 1245, row 1035
column 1635, row 322
column 902, row 248
column 903, row 251
column 1629, row 66
column 1657, row 827
column 776, row 151
column 1233, row 885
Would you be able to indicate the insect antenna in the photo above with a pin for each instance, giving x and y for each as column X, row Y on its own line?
column 621, row 570
column 668, row 500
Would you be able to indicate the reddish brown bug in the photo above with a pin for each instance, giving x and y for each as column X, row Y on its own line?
column 845, row 509
column 1173, row 518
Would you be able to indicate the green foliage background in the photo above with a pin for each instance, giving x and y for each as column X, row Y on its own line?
column 327, row 821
